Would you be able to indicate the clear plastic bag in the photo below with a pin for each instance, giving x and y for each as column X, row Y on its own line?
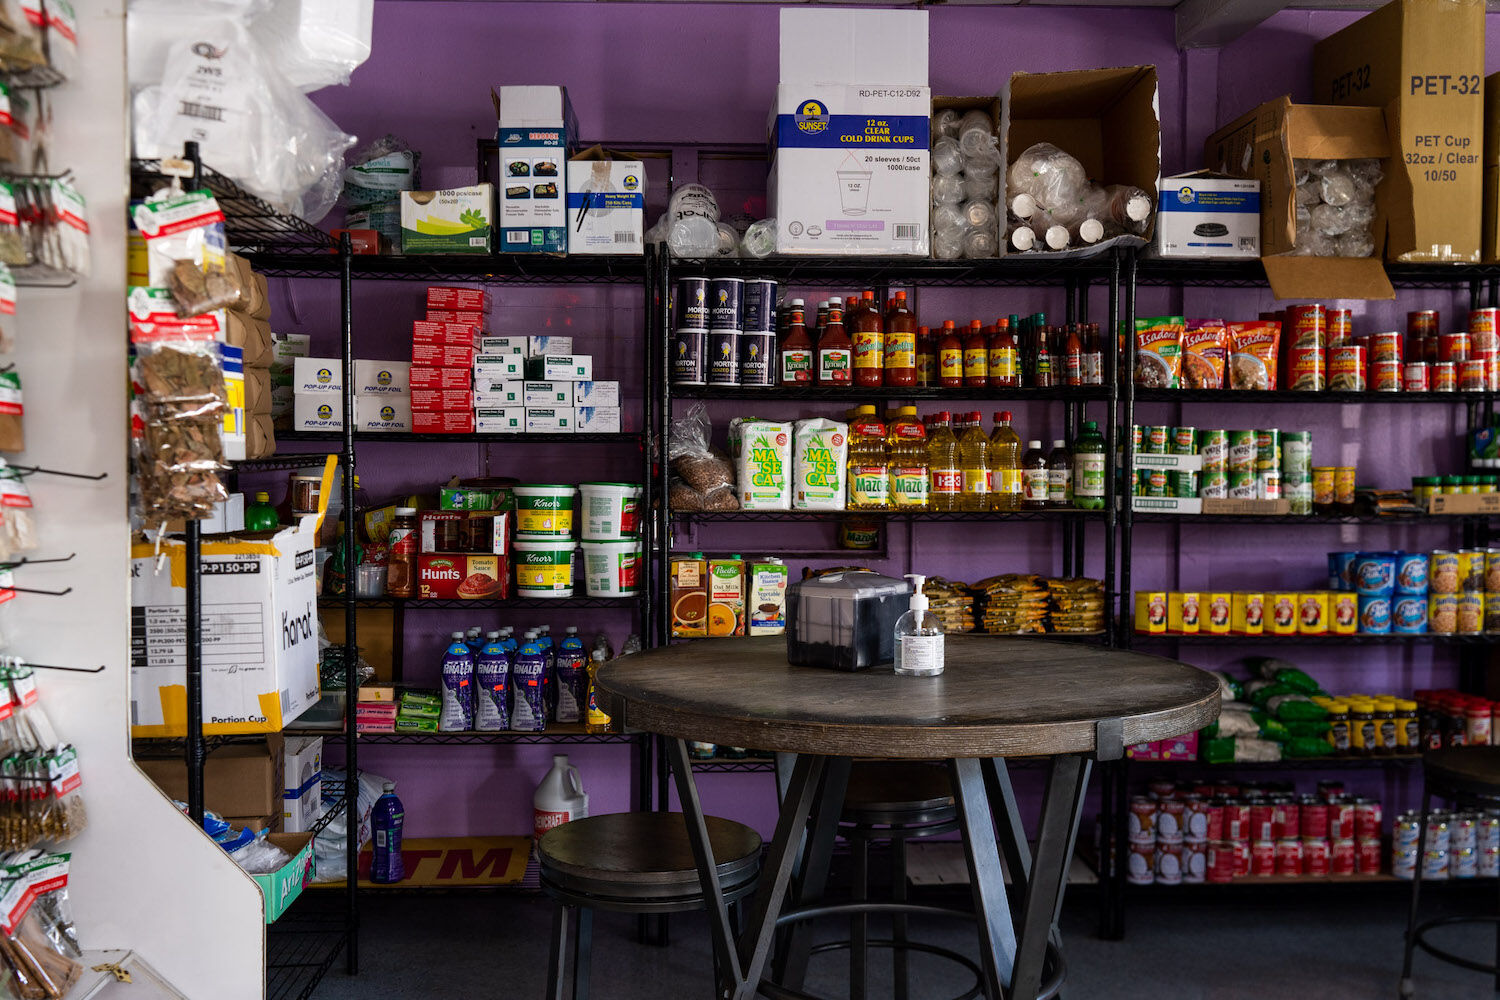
column 1053, row 178
column 181, row 448
column 316, row 43
column 38, row 938
column 691, row 457
column 186, row 250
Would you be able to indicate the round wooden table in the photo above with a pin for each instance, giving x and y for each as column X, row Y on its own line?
column 997, row 698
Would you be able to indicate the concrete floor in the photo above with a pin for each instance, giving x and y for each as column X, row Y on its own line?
column 1341, row 946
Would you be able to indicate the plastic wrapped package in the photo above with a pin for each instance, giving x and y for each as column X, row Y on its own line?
column 947, row 189
column 948, row 242
column 379, row 171
column 182, row 443
column 947, row 216
column 981, row 243
column 946, row 158
column 21, row 44
column 316, row 43
column 32, row 947
column 1053, row 178
column 1335, row 207
column 945, row 123
column 220, row 88
column 330, row 858
column 186, row 250
column 728, row 240
column 759, row 239
column 691, row 457
column 983, row 187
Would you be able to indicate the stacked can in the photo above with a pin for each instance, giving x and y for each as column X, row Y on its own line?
column 1492, row 591
column 758, row 333
column 1296, row 470
column 1384, row 580
column 690, row 332
column 1307, row 338
column 1268, row 465
column 1457, row 582
column 1241, row 465
column 1168, row 836
column 1387, row 373
column 1213, row 480
column 726, row 317
column 1458, row 845
column 1484, row 349
column 1153, row 440
column 1409, row 605
column 1183, row 485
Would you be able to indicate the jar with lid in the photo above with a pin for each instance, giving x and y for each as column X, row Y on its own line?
column 1477, row 722
column 1385, row 725
column 1452, row 485
column 401, row 564
column 1338, row 726
column 1408, row 733
column 1362, row 733
column 1455, row 725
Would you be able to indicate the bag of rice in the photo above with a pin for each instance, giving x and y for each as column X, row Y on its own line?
column 820, row 454
column 1254, row 350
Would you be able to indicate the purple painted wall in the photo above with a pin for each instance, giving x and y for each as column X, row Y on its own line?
column 428, row 81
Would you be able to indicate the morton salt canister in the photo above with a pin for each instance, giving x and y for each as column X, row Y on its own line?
column 723, row 357
column 690, row 304
column 726, row 304
column 760, row 306
column 690, row 357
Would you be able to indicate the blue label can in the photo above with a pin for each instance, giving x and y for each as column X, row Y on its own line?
column 1341, row 570
column 726, row 304
column 1375, row 573
column 723, row 357
column 1409, row 613
column 1374, row 614
column 690, row 304
column 760, row 305
column 690, row 357
column 1411, row 573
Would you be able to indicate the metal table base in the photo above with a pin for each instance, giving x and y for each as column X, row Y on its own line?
column 1014, row 933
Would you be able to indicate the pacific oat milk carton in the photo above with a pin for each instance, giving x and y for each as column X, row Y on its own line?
column 762, row 463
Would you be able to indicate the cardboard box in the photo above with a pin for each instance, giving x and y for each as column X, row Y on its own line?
column 427, row 422
column 548, row 345
column 597, row 420
column 260, row 655
column 500, row 420
column 376, row 693
column 476, row 495
column 371, row 717
column 1490, row 224
column 1144, row 751
column 458, row 334
column 1421, row 62
column 486, row 532
column 253, row 336
column 496, row 395
column 561, row 368
column 302, row 791
column 550, row 420
column 282, row 887
column 257, row 388
column 426, row 377
column 456, row 220
column 1464, row 503
column 1262, row 145
column 499, row 367
column 458, row 297
column 318, row 375
column 850, row 137
column 441, row 356
column 505, row 345
column 430, row 532
column 460, row 575
column 241, row 779
column 1200, row 214
column 317, row 412
column 536, row 132
column 596, row 393
column 382, row 414
column 1104, row 117
column 441, row 400
column 1272, row 508
column 606, row 204
column 547, row 393
column 255, row 824
column 235, row 442
column 470, row 318
column 382, row 378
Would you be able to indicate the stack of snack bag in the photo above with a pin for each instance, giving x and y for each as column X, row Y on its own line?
column 952, row 603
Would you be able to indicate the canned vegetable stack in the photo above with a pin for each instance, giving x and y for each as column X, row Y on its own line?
column 1459, row 845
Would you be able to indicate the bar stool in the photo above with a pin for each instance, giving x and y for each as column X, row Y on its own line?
column 1464, row 776
column 631, row 863
column 896, row 803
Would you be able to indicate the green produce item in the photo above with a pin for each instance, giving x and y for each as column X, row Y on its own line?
column 1269, row 691
column 1308, row 728
column 1219, row 751
column 1306, row 746
column 1271, row 727
column 1296, row 706
column 1291, row 677
column 1209, row 731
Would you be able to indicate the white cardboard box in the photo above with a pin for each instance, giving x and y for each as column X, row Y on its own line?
column 490, row 395
column 302, row 794
column 382, row 414
column 499, row 367
column 1202, row 215
column 536, row 131
column 606, row 206
column 597, row 420
column 605, row 393
column 849, row 137
column 503, row 345
column 317, row 411
column 260, row 633
column 500, row 420
column 547, row 394
column 548, row 345
column 561, row 367
column 325, row 375
column 550, row 419
column 382, row 378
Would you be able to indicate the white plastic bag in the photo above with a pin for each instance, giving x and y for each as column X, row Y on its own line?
column 316, row 43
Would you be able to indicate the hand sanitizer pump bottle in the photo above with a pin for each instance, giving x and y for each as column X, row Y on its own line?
column 919, row 636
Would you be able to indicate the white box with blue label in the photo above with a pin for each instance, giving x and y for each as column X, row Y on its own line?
column 1203, row 214
column 849, row 138
column 606, row 204
column 536, row 133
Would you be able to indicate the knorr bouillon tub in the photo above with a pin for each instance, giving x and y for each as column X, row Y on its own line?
column 545, row 511
column 544, row 567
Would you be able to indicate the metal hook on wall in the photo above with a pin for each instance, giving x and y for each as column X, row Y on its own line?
column 28, row 561
column 42, row 593
column 31, row 470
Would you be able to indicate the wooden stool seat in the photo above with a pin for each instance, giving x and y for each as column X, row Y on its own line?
column 885, row 794
column 643, row 854
column 1465, row 770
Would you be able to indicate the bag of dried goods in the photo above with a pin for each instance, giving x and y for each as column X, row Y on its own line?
column 762, row 452
column 1254, row 351
column 820, row 454
column 1205, row 351
column 1158, row 352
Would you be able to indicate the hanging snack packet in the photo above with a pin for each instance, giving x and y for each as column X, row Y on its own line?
column 820, row 453
column 12, row 237
column 12, row 433
column 185, row 250
column 1158, row 352
column 17, row 531
column 1254, row 351
column 1205, row 351
column 61, row 37
column 68, row 237
column 21, row 47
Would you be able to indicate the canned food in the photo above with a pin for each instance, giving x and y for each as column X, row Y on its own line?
column 1268, row 448
column 1213, row 447
column 1170, row 820
column 1155, row 440
column 726, row 303
column 1241, row 858
column 1453, row 347
column 1183, row 485
column 1289, row 857
column 1471, row 563
column 1434, row 865
column 690, row 304
column 1442, row 376
column 1386, row 376
column 1142, row 820
column 690, row 357
column 1285, row 818
column 1296, row 457
column 1246, row 617
column 1298, row 497
column 1367, row 819
column 760, row 305
column 1404, row 862
column 1343, row 485
column 1471, row 375
column 1242, row 450
column 1138, row 434
column 1443, row 572
column 1407, row 831
column 1213, row 815
column 1491, row 612
column 1442, row 614
column 1482, row 322
column 1340, row 326
column 1470, row 614
column 1343, row 613
column 1305, row 365
column 1156, row 482
column 1439, row 835
column 1195, row 819
column 1268, row 484
column 1315, row 861
column 1322, row 484
column 1244, row 484
column 1411, row 572
column 1341, row 570
column 1306, row 326
column 1346, row 368
column 1463, row 832
column 1492, row 569
column 1367, row 856
column 1313, row 819
column 1236, row 821
column 1213, row 484
column 1262, row 821
column 1374, row 614
column 1341, row 856
column 1194, row 861
column 1263, row 858
column 1140, row 866
column 1409, row 614
column 1219, row 860
column 757, row 350
column 1374, row 573
column 1161, row 788
column 1283, row 614
column 1169, row 863
column 1489, row 832
column 1414, row 377
column 1422, row 323
column 1463, row 863
column 1184, row 441
column 723, row 357
column 1313, row 616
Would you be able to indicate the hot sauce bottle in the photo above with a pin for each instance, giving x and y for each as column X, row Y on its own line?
column 1004, row 357
column 869, row 343
column 976, row 357
column 900, row 344
column 950, row 357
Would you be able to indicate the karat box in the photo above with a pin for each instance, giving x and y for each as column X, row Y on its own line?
column 536, row 132
column 466, row 299
column 452, row 422
column 500, row 420
column 457, row 334
column 606, row 203
column 547, row 394
column 442, row 356
column 596, row 393
column 1202, row 215
column 561, row 367
column 425, row 377
column 325, row 375
column 550, row 420
column 441, row 400
column 380, row 378
column 460, row 575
